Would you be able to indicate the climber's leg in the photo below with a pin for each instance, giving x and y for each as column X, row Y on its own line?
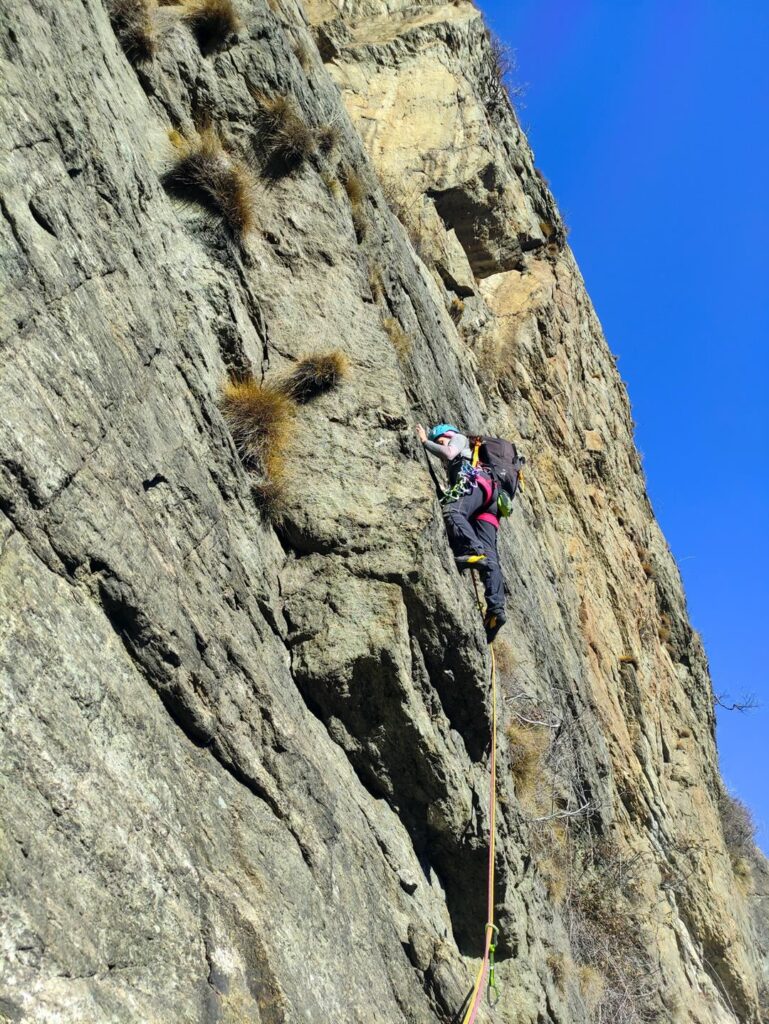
column 491, row 574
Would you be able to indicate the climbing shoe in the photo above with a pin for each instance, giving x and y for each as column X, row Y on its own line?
column 493, row 622
column 469, row 561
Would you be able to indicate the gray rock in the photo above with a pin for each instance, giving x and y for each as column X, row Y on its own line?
column 245, row 759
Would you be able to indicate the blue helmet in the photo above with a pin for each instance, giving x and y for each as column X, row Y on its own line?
column 441, row 429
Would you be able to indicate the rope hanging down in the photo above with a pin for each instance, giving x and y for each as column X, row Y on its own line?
column 487, row 964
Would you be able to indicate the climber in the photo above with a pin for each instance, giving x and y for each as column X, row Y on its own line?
column 471, row 510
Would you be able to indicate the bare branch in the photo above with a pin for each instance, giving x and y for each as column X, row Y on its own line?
column 749, row 702
column 563, row 814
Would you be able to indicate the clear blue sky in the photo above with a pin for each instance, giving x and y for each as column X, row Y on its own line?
column 650, row 119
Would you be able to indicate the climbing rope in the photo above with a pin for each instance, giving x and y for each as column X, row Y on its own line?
column 487, row 967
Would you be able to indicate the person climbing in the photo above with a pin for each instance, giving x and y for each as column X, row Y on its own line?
column 483, row 476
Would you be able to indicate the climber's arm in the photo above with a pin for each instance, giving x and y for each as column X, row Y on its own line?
column 444, row 451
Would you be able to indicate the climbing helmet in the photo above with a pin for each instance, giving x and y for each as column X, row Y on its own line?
column 441, row 429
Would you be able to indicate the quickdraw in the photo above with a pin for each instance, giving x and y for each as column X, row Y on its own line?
column 467, row 479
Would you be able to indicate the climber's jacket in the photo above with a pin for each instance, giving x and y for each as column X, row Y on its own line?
column 458, row 456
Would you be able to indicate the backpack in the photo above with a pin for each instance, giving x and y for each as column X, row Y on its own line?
column 501, row 458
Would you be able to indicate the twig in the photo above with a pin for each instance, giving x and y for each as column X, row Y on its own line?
column 563, row 814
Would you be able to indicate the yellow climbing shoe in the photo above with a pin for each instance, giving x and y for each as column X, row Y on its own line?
column 468, row 561
column 493, row 622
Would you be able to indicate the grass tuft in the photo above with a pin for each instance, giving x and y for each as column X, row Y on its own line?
column 133, row 22
column 332, row 183
column 559, row 967
column 401, row 341
column 376, row 282
column 206, row 174
column 315, row 374
column 302, row 54
column 287, row 140
column 456, row 309
column 356, row 193
column 260, row 418
column 327, row 137
column 504, row 657
column 214, row 22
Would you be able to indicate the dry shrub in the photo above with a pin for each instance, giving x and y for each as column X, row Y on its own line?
column 604, row 916
column 315, row 374
column 738, row 827
column 528, row 746
column 206, row 174
column 356, row 193
column 133, row 22
column 260, row 418
column 214, row 22
column 499, row 71
column 288, row 141
column 401, row 341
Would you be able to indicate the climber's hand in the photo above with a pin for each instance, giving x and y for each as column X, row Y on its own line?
column 421, row 433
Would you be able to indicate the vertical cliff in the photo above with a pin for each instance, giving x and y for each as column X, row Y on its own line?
column 245, row 743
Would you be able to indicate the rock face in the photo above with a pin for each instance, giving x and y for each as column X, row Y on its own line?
column 245, row 751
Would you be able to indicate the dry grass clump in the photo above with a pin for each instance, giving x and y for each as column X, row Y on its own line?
column 327, row 137
column 287, row 139
column 628, row 659
column 214, row 22
column 260, row 418
column 302, row 54
column 332, row 183
column 315, row 374
column 551, row 845
column 356, row 193
column 206, row 174
column 456, row 309
column 376, row 282
column 133, row 22
column 665, row 628
column 401, row 341
column 504, row 657
column 528, row 746
column 560, row 968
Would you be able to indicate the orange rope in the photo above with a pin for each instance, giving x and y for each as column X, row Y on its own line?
column 477, row 993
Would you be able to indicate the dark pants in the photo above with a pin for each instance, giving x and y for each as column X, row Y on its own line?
column 470, row 536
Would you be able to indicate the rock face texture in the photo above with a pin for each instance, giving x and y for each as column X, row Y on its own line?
column 245, row 749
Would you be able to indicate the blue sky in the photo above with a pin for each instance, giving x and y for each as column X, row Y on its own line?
column 650, row 119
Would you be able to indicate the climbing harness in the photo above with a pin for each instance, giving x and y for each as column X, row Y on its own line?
column 487, row 970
